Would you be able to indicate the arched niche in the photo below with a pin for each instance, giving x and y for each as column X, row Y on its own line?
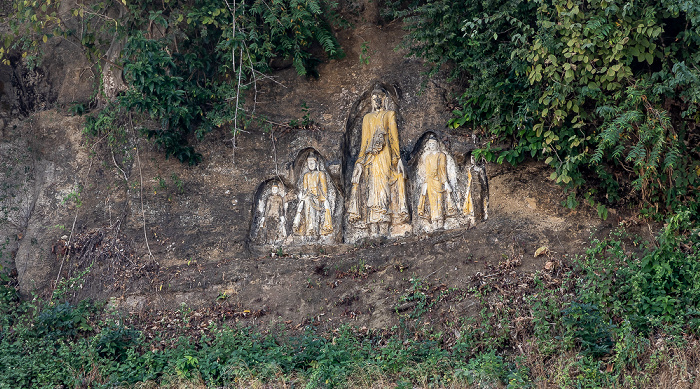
column 373, row 167
column 442, row 192
column 270, row 224
column 316, row 207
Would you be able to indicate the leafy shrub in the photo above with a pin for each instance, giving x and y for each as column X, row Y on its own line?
column 585, row 325
column 64, row 320
column 114, row 341
column 602, row 91
column 187, row 63
column 484, row 370
column 659, row 285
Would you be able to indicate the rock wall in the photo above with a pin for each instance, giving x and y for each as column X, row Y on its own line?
column 152, row 232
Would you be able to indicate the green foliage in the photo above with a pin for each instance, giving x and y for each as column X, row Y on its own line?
column 417, row 295
column 64, row 320
column 191, row 80
column 661, row 285
column 484, row 370
column 32, row 24
column 158, row 89
column 115, row 340
column 187, row 63
column 364, row 53
column 603, row 91
column 585, row 326
column 596, row 324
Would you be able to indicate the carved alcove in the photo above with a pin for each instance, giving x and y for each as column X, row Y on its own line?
column 270, row 225
column 376, row 203
column 317, row 206
column 436, row 182
column 445, row 194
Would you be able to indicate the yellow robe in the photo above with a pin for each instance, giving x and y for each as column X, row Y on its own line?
column 379, row 156
column 468, row 208
column 315, row 187
column 435, row 178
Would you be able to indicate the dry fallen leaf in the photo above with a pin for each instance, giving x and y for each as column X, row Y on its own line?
column 542, row 250
column 549, row 265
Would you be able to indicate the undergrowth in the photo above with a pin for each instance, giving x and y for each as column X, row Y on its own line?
column 624, row 314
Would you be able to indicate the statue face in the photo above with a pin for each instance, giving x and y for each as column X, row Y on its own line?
column 431, row 145
column 275, row 189
column 311, row 163
column 377, row 101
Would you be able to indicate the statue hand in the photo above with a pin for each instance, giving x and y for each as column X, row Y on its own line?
column 356, row 173
column 448, row 187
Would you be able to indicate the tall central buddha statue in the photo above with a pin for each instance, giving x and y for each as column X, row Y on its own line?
column 378, row 194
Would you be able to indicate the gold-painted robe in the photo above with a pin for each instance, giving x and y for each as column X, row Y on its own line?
column 435, row 166
column 468, row 208
column 381, row 186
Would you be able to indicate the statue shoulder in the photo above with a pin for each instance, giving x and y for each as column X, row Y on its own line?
column 368, row 116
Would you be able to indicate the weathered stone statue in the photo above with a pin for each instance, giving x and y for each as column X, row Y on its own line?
column 483, row 192
column 436, row 189
column 468, row 207
column 313, row 216
column 273, row 222
column 378, row 194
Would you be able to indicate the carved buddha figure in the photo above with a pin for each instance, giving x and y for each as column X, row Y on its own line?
column 274, row 220
column 378, row 195
column 436, row 189
column 313, row 214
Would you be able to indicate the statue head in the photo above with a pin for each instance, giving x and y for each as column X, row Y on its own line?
column 431, row 144
column 311, row 162
column 379, row 98
column 275, row 189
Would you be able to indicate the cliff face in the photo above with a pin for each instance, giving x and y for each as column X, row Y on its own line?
column 152, row 232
